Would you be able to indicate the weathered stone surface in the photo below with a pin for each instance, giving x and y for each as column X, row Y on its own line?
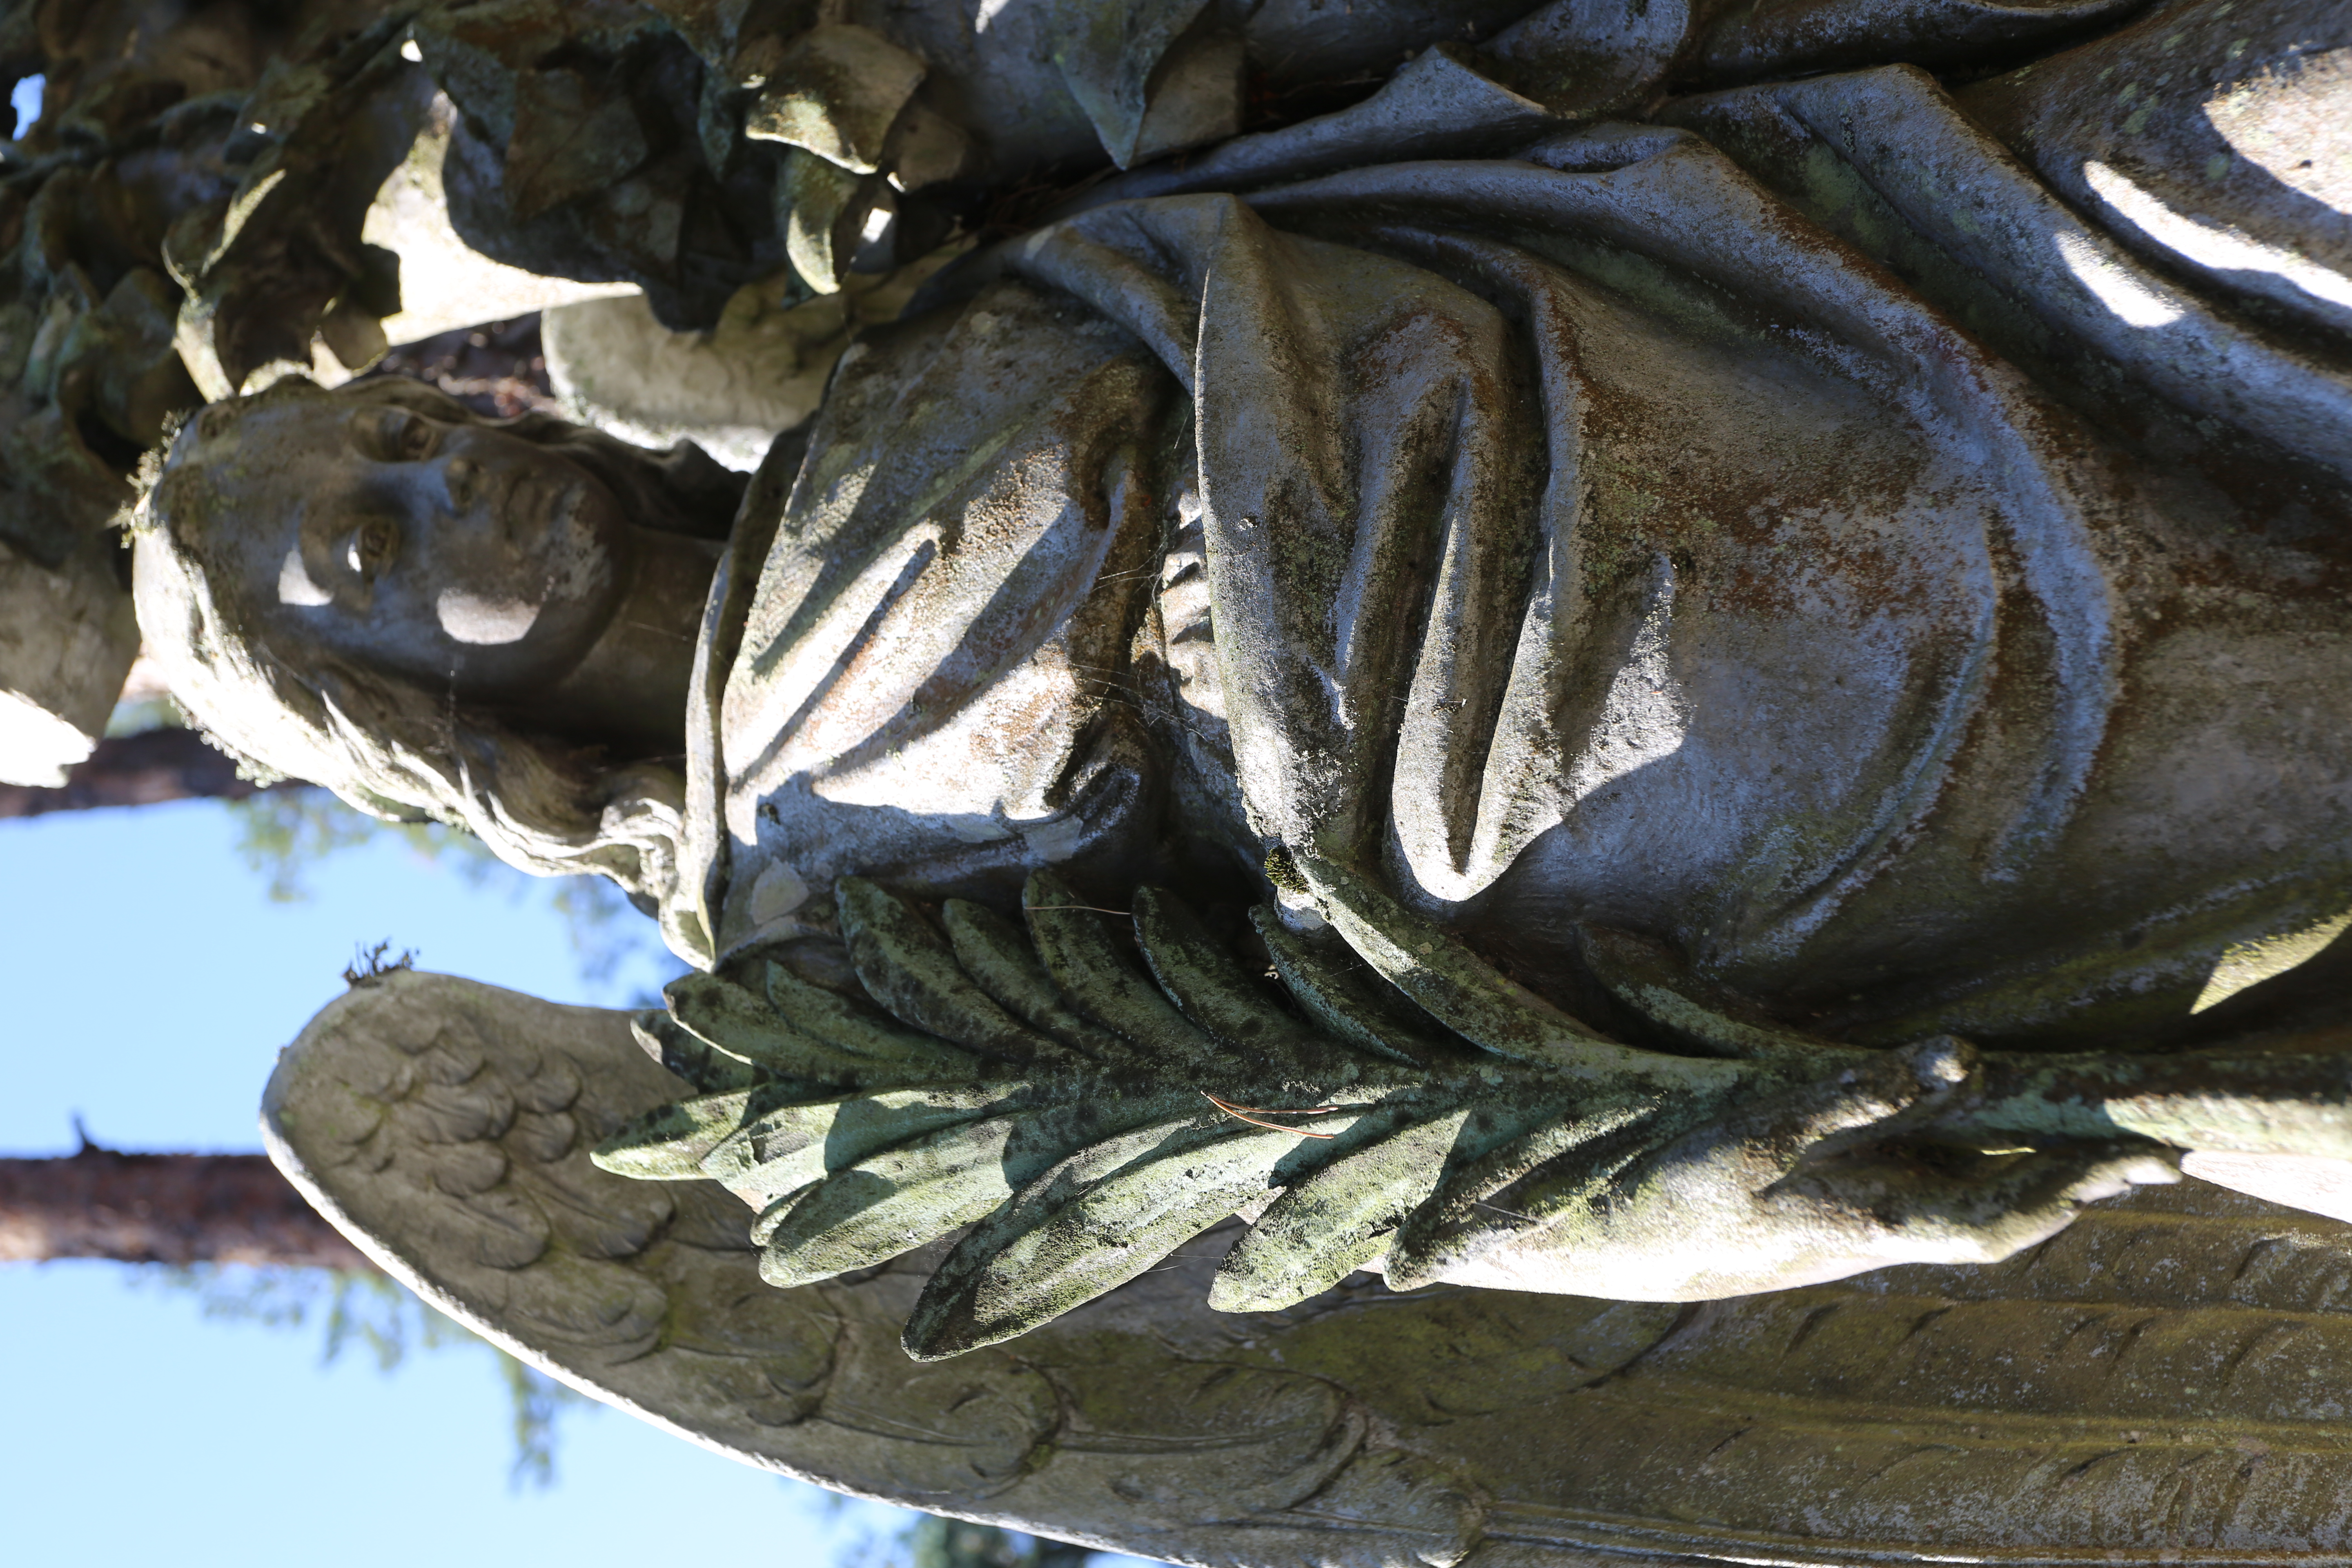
column 2160, row 1381
column 1418, row 1114
column 445, row 283
column 66, row 640
column 761, row 370
column 1874, row 533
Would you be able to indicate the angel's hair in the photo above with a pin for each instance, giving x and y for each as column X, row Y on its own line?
column 389, row 746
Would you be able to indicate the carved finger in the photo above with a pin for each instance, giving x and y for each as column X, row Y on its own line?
column 2289, row 1101
column 1538, row 1165
column 1936, row 1215
column 1862, row 1099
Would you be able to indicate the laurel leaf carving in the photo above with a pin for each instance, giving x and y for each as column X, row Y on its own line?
column 1381, row 1097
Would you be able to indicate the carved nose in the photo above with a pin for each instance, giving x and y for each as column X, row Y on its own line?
column 464, row 477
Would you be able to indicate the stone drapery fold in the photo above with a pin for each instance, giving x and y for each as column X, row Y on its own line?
column 1650, row 527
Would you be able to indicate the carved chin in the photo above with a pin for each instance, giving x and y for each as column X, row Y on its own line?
column 485, row 622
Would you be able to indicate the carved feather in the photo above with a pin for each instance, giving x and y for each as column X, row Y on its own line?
column 2032, row 1406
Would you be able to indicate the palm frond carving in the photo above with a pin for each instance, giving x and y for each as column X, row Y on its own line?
column 1382, row 1097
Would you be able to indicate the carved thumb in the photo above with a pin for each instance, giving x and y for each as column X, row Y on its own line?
column 1869, row 1099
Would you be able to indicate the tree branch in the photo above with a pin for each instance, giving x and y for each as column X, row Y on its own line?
column 145, row 768
column 163, row 1208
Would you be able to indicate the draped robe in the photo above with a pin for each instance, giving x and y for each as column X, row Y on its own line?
column 1885, row 539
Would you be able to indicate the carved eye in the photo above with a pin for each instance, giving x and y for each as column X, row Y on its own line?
column 412, row 438
column 400, row 436
column 370, row 547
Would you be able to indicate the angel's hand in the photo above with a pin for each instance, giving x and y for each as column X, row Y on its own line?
column 1799, row 1187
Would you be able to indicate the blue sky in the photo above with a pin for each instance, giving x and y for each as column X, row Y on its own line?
column 151, row 983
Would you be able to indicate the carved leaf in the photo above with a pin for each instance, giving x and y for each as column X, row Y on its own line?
column 1382, row 1098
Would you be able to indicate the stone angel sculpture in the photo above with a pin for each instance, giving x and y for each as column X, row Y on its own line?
column 1681, row 705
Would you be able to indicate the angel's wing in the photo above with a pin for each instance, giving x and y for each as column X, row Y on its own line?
column 2165, row 1377
column 444, row 1125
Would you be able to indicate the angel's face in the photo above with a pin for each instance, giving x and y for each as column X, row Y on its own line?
column 452, row 553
